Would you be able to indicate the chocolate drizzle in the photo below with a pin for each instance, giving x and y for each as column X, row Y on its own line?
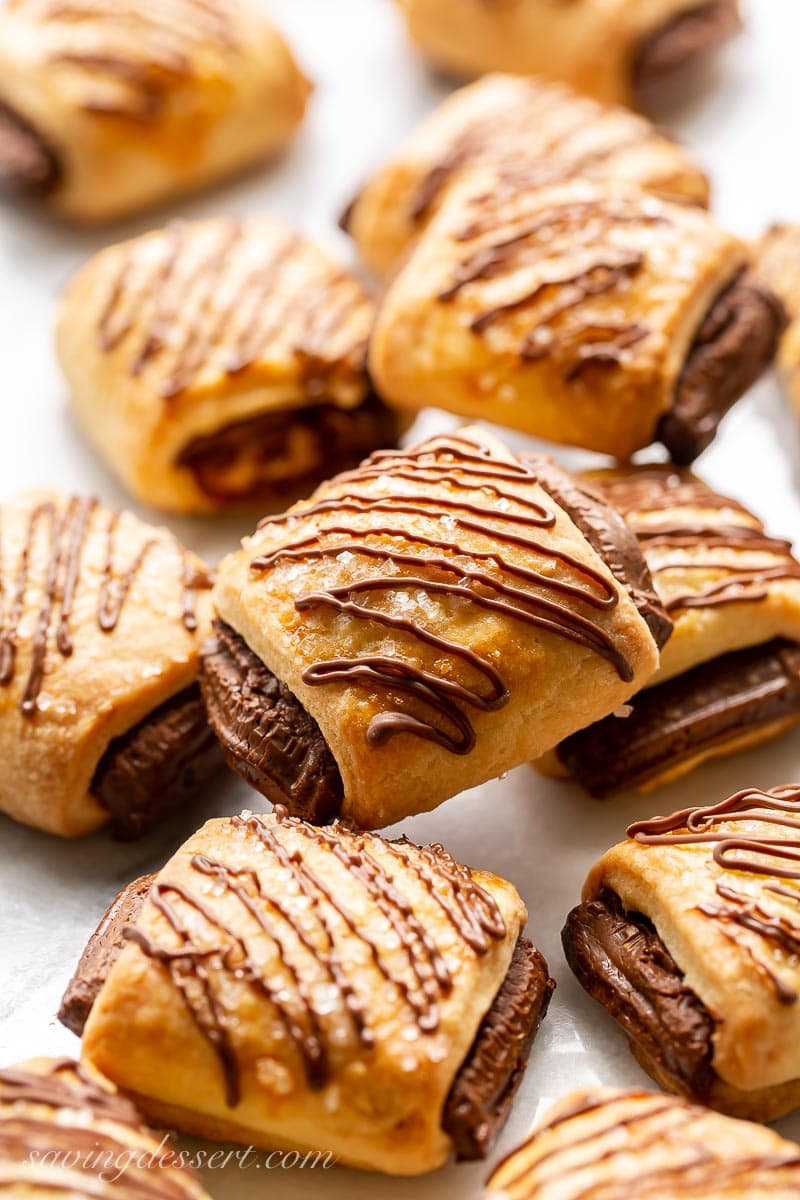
column 693, row 1165
column 55, row 1090
column 238, row 314
column 422, row 979
column 72, row 1149
column 547, row 243
column 759, row 851
column 504, row 516
column 132, row 56
column 67, row 527
column 653, row 489
column 543, row 123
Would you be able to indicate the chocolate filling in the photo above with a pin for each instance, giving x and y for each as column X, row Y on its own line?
column 100, row 954
column 621, row 961
column 28, row 166
column 604, row 529
column 735, row 344
column 480, row 1098
column 703, row 709
column 153, row 769
column 681, row 45
column 251, row 462
column 267, row 736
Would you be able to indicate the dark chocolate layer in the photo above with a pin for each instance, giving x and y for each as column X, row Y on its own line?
column 718, row 702
column 481, row 1096
column 267, row 736
column 735, row 344
column 604, row 529
column 621, row 961
column 28, row 166
column 241, row 464
column 681, row 45
column 100, row 954
column 153, row 769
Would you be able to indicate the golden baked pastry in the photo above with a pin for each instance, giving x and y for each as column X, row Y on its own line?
column 730, row 674
column 778, row 263
column 688, row 934
column 543, row 128
column 318, row 988
column 611, row 1143
column 615, row 50
column 220, row 364
column 65, row 1130
column 419, row 626
column 101, row 622
column 586, row 313
column 109, row 106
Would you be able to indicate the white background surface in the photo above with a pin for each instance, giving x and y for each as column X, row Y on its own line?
column 371, row 90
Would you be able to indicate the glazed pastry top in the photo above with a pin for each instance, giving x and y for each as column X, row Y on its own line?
column 547, row 275
column 567, row 310
column 596, row 45
column 724, row 580
column 778, row 262
column 77, row 581
column 615, row 1143
column 126, row 59
column 389, row 601
column 235, row 304
column 101, row 621
column 65, row 1130
column 544, row 129
column 358, row 971
column 720, row 884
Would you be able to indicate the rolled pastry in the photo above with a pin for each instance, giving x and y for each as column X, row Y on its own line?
column 544, row 128
column 109, row 106
column 220, row 364
column 778, row 263
column 63, row 1129
column 688, row 934
column 611, row 1143
column 586, row 313
column 318, row 988
column 407, row 632
column 616, row 51
column 101, row 621
column 730, row 674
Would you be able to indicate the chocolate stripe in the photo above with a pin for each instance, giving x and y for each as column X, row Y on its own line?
column 157, row 767
column 735, row 344
column 681, row 45
column 100, row 954
column 484, row 1088
column 620, row 960
column 267, row 736
column 28, row 165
